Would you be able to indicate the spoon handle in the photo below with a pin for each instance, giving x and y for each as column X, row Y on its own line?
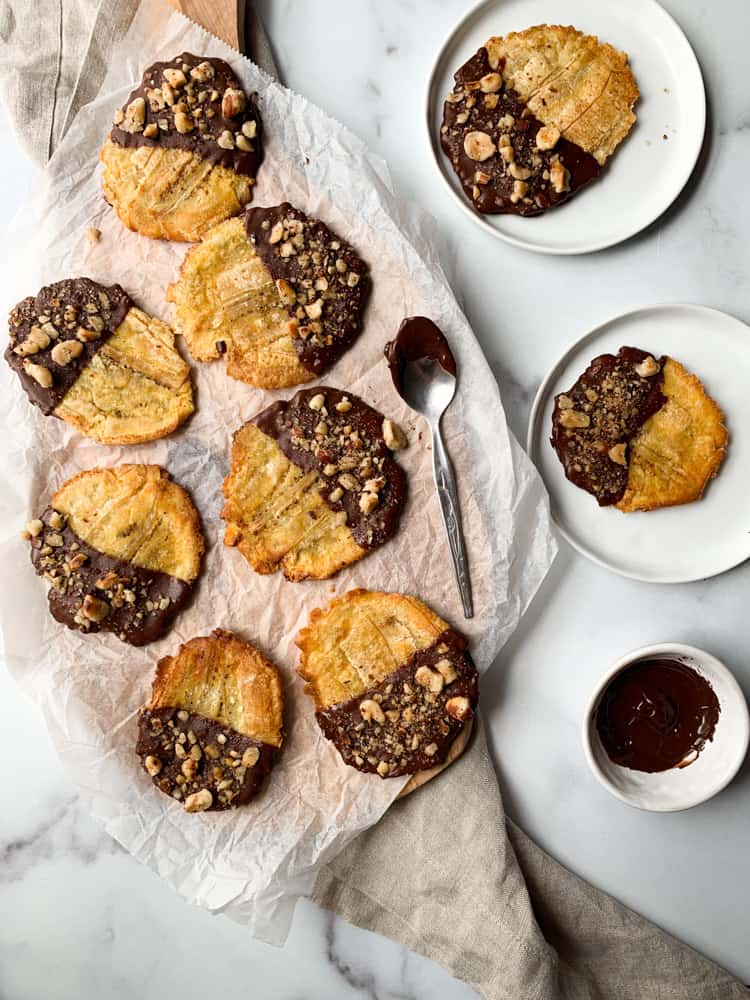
column 445, row 481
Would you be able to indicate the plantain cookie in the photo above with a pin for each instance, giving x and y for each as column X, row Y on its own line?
column 184, row 150
column 86, row 354
column 638, row 433
column 121, row 549
column 277, row 292
column 534, row 116
column 210, row 734
column 313, row 485
column 393, row 685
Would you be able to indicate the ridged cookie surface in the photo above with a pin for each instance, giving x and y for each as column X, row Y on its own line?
column 679, row 449
column 582, row 87
column 277, row 292
column 184, row 150
column 313, row 485
column 210, row 733
column 121, row 549
column 392, row 683
column 83, row 352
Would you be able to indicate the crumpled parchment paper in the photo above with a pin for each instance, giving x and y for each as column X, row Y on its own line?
column 250, row 863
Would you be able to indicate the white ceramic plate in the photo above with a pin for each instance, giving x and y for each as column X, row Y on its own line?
column 715, row 766
column 676, row 544
column 652, row 165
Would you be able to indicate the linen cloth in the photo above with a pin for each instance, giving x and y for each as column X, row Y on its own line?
column 444, row 872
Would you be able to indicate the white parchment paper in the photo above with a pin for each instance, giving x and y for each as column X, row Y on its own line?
column 251, row 863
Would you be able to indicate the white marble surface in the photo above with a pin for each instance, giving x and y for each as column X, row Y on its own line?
column 80, row 919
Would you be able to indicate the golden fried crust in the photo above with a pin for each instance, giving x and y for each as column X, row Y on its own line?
column 583, row 87
column 359, row 639
column 135, row 388
column 679, row 449
column 137, row 514
column 223, row 678
column 276, row 516
column 168, row 193
column 224, row 295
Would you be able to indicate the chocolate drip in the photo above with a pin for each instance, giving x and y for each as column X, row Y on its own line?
column 417, row 337
column 93, row 592
column 77, row 310
column 202, row 100
column 418, row 725
column 223, row 761
column 323, row 283
column 657, row 714
column 489, row 183
column 353, row 436
column 612, row 401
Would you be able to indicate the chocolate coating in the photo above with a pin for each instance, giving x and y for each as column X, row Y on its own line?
column 657, row 714
column 617, row 402
column 217, row 762
column 402, row 740
column 202, row 101
column 132, row 596
column 417, row 337
column 323, row 282
column 58, row 313
column 353, row 446
column 488, row 183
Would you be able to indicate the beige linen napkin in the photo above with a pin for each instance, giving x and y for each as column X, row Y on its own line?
column 444, row 872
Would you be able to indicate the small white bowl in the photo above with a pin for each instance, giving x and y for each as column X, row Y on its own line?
column 717, row 763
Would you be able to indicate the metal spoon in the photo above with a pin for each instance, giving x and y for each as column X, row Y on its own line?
column 424, row 373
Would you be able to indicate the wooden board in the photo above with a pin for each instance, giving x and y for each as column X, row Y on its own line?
column 223, row 18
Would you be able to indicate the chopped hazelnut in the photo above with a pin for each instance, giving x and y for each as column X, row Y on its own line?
column 199, row 801
column 547, row 137
column 648, row 367
column 394, row 437
column 479, row 146
column 371, row 711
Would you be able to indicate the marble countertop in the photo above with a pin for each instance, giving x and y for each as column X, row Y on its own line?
column 80, row 918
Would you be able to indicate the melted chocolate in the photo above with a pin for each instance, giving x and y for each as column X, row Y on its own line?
column 200, row 103
column 351, row 457
column 657, row 714
column 416, row 729
column 323, row 283
column 222, row 761
column 417, row 338
column 137, row 604
column 77, row 310
column 547, row 177
column 612, row 402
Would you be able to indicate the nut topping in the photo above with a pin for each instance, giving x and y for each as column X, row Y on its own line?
column 371, row 711
column 479, row 146
column 41, row 375
column 233, row 103
column 648, row 367
column 394, row 437
column 66, row 351
column 199, row 801
column 547, row 137
column 459, row 708
column 574, row 418
column 152, row 765
column 617, row 453
column 94, row 609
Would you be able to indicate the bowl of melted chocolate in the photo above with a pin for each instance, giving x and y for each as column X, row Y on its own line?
column 666, row 728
